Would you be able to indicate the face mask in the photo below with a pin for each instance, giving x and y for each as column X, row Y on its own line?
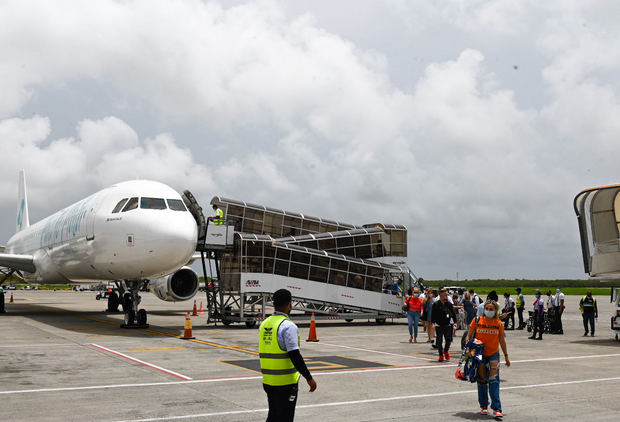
column 589, row 294
column 548, row 294
column 537, row 296
column 416, row 295
column 557, row 290
column 489, row 314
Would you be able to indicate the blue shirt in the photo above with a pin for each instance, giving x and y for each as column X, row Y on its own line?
column 288, row 334
column 470, row 310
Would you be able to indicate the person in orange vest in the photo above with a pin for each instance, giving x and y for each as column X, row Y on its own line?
column 413, row 305
column 489, row 330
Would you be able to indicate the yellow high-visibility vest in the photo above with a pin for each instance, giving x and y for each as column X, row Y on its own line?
column 218, row 218
column 275, row 364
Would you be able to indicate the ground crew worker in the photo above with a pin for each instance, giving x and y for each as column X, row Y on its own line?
column 520, row 308
column 281, row 362
column 559, row 310
column 589, row 311
column 539, row 315
column 218, row 216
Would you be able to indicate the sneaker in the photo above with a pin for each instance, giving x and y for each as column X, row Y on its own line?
column 498, row 413
column 447, row 356
column 484, row 411
column 440, row 358
column 585, row 334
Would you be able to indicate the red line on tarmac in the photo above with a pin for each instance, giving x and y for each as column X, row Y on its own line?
column 141, row 362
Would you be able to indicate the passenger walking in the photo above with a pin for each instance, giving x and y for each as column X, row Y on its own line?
column 589, row 311
column 559, row 310
column 470, row 314
column 539, row 315
column 281, row 362
column 414, row 308
column 443, row 317
column 470, row 308
column 509, row 310
column 490, row 331
column 520, row 307
column 428, row 310
column 491, row 296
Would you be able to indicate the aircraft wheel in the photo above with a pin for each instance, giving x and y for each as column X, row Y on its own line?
column 141, row 318
column 250, row 324
column 380, row 321
column 130, row 317
column 113, row 302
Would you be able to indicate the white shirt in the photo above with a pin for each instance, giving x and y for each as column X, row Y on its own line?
column 559, row 297
column 476, row 299
column 509, row 303
column 550, row 302
column 288, row 334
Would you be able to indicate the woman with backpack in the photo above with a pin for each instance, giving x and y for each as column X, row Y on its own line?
column 489, row 330
column 413, row 304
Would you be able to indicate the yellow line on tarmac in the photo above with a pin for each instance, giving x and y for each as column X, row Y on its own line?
column 107, row 335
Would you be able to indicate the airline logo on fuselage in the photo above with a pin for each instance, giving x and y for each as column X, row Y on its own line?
column 20, row 215
column 252, row 283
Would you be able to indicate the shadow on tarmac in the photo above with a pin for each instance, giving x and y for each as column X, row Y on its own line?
column 472, row 416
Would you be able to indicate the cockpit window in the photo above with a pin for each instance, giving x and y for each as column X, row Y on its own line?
column 153, row 203
column 132, row 204
column 118, row 206
column 176, row 205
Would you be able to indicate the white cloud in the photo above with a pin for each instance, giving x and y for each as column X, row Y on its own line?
column 61, row 171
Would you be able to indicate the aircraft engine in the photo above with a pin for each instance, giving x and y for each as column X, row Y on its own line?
column 178, row 286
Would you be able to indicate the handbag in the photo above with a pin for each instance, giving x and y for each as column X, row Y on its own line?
column 406, row 305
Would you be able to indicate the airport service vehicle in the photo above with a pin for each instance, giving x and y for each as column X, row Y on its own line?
column 598, row 215
column 334, row 270
column 130, row 233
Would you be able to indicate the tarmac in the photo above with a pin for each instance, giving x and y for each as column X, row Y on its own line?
column 62, row 358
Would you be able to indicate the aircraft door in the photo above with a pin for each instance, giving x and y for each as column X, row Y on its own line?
column 92, row 207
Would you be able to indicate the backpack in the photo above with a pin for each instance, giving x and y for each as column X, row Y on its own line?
column 470, row 360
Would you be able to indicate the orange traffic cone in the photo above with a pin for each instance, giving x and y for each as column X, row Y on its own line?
column 312, row 334
column 187, row 333
column 194, row 311
column 201, row 311
column 11, row 300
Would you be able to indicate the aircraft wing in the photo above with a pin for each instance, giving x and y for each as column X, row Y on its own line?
column 18, row 262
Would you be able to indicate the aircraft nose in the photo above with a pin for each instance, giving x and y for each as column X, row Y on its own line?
column 174, row 238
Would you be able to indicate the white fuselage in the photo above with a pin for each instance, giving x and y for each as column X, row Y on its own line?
column 87, row 241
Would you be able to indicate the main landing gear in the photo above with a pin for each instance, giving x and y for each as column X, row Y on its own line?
column 129, row 299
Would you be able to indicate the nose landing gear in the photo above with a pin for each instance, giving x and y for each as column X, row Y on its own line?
column 134, row 317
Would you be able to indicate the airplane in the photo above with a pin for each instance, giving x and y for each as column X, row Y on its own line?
column 131, row 233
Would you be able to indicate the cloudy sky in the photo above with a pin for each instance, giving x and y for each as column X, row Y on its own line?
column 474, row 123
